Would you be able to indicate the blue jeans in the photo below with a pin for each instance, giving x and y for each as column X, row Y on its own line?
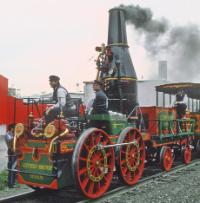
column 12, row 159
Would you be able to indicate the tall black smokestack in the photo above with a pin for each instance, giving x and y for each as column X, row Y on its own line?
column 120, row 78
column 117, row 28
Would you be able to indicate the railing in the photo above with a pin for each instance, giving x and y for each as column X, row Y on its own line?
column 163, row 128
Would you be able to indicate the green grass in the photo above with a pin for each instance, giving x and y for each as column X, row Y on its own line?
column 3, row 179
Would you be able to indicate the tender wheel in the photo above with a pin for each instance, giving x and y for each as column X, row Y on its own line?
column 130, row 158
column 166, row 158
column 92, row 165
column 187, row 155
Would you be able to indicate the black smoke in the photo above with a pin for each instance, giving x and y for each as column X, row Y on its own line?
column 181, row 44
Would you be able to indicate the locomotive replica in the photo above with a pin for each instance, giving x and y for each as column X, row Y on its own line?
column 68, row 150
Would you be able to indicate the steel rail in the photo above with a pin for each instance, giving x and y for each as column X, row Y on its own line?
column 17, row 197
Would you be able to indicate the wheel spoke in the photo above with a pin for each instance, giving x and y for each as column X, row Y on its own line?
column 91, row 187
column 108, row 154
column 82, row 171
column 92, row 139
column 124, row 170
column 128, row 175
column 99, row 185
column 123, row 162
column 134, row 134
column 83, row 159
column 98, row 138
column 85, row 182
column 107, row 177
column 86, row 147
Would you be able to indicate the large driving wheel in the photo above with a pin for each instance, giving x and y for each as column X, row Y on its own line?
column 92, row 164
column 187, row 154
column 131, row 157
column 166, row 158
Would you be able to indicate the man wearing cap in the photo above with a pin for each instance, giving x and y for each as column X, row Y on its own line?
column 180, row 104
column 61, row 97
column 100, row 104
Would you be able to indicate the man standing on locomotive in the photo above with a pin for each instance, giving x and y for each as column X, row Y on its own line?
column 62, row 99
column 100, row 104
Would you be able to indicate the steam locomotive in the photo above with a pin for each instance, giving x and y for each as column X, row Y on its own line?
column 68, row 151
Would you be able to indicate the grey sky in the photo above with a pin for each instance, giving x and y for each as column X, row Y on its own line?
column 43, row 37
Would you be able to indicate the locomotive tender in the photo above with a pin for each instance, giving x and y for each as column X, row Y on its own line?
column 68, row 151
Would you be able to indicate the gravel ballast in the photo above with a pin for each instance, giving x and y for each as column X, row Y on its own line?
column 181, row 187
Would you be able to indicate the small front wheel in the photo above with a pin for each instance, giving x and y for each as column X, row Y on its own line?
column 187, row 154
column 166, row 158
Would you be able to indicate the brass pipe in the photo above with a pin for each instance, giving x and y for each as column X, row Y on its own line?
column 14, row 143
column 52, row 141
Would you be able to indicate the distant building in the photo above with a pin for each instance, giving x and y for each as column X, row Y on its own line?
column 147, row 92
column 162, row 70
column 14, row 92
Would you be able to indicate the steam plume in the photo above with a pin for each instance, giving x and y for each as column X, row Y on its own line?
column 181, row 44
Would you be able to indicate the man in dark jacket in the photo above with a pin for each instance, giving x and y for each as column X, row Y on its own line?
column 61, row 98
column 180, row 104
column 100, row 104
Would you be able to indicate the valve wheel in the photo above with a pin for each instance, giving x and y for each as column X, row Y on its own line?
column 130, row 158
column 92, row 164
column 166, row 158
column 187, row 155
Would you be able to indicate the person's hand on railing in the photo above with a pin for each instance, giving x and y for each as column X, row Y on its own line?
column 48, row 109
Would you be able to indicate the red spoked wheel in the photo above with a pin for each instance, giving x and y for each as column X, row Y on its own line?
column 130, row 157
column 166, row 158
column 92, row 164
column 187, row 154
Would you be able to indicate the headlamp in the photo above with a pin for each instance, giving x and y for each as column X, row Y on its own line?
column 19, row 129
column 49, row 131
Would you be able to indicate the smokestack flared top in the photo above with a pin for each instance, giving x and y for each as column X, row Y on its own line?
column 117, row 28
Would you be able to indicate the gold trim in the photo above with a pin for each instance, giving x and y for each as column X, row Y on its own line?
column 64, row 133
column 19, row 131
column 118, row 44
column 122, row 78
column 14, row 143
column 51, row 144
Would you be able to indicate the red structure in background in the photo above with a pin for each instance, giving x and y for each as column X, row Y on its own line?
column 3, row 99
column 14, row 110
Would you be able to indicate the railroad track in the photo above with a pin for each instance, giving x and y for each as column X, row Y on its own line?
column 19, row 197
column 70, row 194
column 159, row 178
